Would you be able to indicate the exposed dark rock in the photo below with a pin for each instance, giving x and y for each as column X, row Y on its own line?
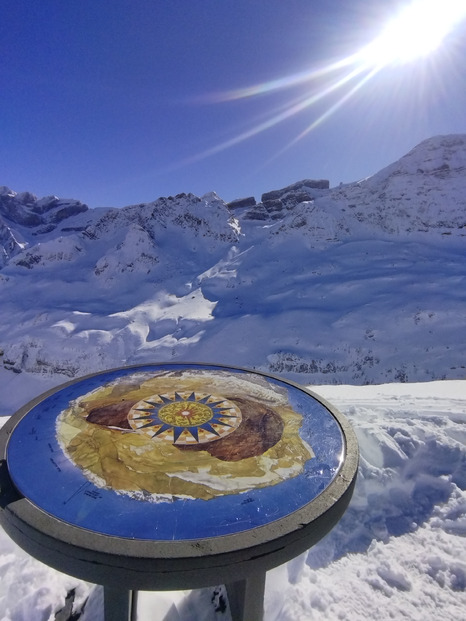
column 29, row 260
column 48, row 228
column 242, row 202
column 46, row 204
column 26, row 210
column 294, row 199
column 189, row 220
column 218, row 599
column 67, row 613
column 67, row 211
column 8, row 244
column 257, row 213
column 11, row 365
column 272, row 195
column 273, row 205
column 26, row 198
column 17, row 213
column 316, row 184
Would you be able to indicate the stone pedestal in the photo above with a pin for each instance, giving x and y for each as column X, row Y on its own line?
column 174, row 476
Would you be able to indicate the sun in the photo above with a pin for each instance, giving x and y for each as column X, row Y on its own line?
column 417, row 31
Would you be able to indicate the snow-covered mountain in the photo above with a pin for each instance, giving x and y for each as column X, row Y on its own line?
column 361, row 283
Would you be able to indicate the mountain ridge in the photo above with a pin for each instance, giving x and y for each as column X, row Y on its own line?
column 360, row 283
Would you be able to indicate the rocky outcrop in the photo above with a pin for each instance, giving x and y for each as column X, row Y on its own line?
column 258, row 212
column 305, row 187
column 25, row 209
column 275, row 204
column 241, row 203
column 422, row 192
column 268, row 210
column 185, row 277
column 9, row 245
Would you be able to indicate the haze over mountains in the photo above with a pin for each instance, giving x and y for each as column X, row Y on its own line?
column 361, row 283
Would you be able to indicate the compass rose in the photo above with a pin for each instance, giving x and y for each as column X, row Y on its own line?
column 185, row 418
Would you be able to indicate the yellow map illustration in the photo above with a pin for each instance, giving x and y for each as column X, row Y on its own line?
column 186, row 434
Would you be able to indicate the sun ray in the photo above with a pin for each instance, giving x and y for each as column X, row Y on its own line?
column 283, row 83
column 325, row 115
column 416, row 31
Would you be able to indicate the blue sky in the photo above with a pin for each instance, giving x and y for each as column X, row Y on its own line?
column 115, row 102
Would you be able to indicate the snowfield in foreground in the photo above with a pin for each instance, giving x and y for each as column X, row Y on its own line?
column 398, row 553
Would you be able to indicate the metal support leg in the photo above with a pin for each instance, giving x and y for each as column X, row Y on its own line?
column 246, row 598
column 119, row 604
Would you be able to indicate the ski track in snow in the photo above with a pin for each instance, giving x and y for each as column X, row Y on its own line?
column 399, row 551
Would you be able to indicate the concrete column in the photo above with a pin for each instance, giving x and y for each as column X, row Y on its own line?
column 246, row 598
column 119, row 604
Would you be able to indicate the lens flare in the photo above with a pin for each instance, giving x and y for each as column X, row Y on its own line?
column 415, row 32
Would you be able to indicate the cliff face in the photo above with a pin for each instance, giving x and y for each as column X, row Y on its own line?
column 421, row 192
column 359, row 283
column 25, row 213
column 43, row 214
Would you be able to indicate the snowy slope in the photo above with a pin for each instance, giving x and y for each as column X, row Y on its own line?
column 362, row 283
column 421, row 192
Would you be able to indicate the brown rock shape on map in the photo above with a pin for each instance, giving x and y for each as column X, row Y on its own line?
column 260, row 429
column 113, row 415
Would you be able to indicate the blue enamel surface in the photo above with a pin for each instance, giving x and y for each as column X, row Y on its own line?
column 43, row 473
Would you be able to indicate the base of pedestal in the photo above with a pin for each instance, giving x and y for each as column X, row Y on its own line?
column 245, row 597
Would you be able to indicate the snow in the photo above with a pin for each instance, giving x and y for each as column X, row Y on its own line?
column 363, row 283
column 360, row 284
column 399, row 551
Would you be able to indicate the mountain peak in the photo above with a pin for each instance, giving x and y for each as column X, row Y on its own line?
column 423, row 191
column 360, row 283
column 6, row 191
column 24, row 209
column 439, row 156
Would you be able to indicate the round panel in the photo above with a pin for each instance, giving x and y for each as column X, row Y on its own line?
column 176, row 452
column 194, row 418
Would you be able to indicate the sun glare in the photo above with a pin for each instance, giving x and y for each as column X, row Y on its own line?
column 418, row 30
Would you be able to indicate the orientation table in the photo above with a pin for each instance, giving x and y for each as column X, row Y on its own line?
column 174, row 476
